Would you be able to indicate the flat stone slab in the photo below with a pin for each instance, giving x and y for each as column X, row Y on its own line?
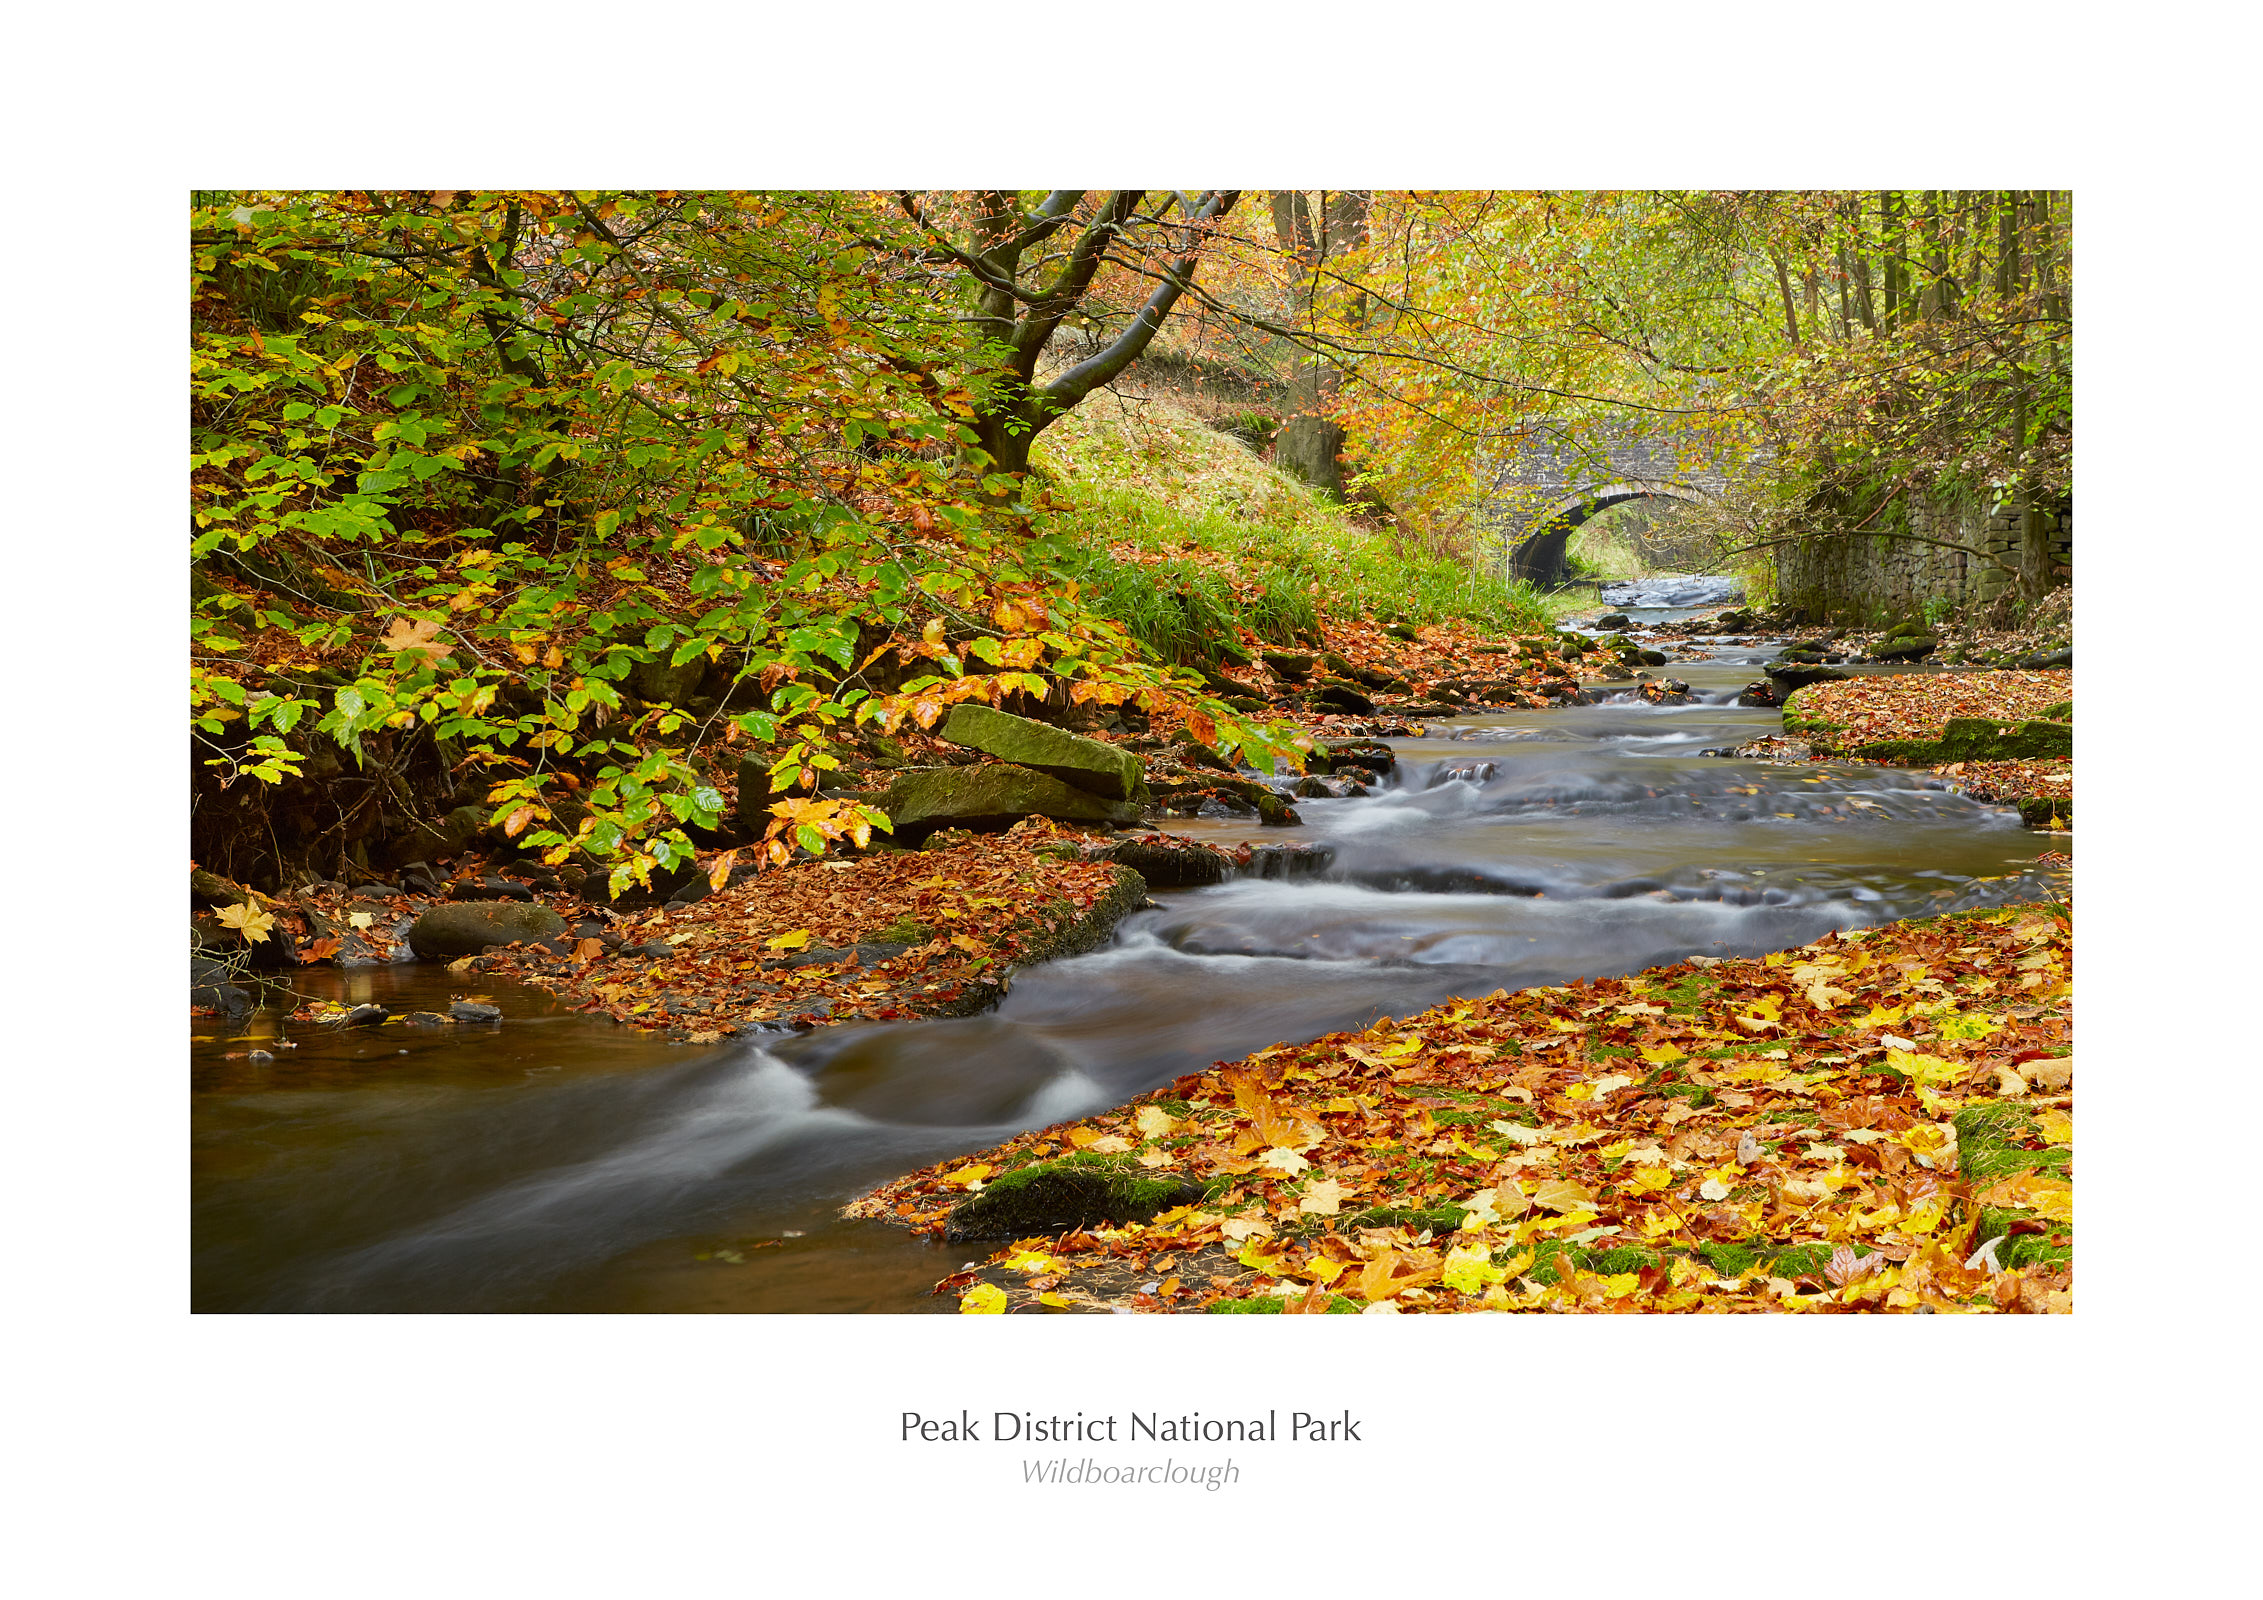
column 1086, row 764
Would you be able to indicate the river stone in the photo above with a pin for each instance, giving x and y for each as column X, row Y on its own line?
column 1617, row 619
column 1082, row 763
column 466, row 927
column 1293, row 668
column 992, row 796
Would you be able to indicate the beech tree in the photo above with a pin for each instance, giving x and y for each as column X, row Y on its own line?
column 1312, row 439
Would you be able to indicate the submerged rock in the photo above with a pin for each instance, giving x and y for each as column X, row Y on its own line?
column 466, row 927
column 1082, row 763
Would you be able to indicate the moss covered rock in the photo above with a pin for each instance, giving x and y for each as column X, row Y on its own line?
column 466, row 927
column 1978, row 739
column 992, row 797
column 1081, row 763
column 1055, row 1197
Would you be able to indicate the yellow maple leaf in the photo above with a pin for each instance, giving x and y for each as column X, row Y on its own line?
column 1561, row 1194
column 796, row 940
column 1323, row 1197
column 1048, row 1298
column 2056, row 1126
column 984, row 1299
column 247, row 919
column 1931, row 1071
column 1154, row 1122
column 1661, row 1055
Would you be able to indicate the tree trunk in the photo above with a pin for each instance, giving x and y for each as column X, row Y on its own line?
column 1310, row 444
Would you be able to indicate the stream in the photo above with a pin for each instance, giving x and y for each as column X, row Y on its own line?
column 563, row 1163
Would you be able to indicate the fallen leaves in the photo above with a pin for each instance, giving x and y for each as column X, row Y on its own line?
column 1652, row 1157
column 795, row 944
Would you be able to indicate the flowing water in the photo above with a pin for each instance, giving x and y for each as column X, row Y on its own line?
column 564, row 1164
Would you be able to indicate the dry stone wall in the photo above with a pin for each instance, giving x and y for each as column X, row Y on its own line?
column 1876, row 577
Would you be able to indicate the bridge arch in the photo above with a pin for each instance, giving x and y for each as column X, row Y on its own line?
column 1538, row 557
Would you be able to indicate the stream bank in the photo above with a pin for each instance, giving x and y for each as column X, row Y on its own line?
column 561, row 1163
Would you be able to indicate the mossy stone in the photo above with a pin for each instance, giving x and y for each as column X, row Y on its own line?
column 1054, row 1197
column 992, row 796
column 1082, row 763
column 466, row 927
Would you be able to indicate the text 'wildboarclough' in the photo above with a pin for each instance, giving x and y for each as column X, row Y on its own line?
column 1134, row 1427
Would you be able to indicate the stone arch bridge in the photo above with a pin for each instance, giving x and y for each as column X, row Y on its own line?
column 1542, row 495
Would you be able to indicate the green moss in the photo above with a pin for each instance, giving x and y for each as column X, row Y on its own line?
column 1269, row 1305
column 1729, row 1260
column 1439, row 1220
column 1989, row 1140
column 1075, row 1191
column 1620, row 1258
column 904, row 930
column 1801, row 1261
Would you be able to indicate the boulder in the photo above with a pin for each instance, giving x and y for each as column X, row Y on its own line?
column 1291, row 668
column 1652, row 658
column 1081, row 763
column 466, row 927
column 2057, row 658
column 992, row 796
column 1617, row 619
column 1760, row 693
